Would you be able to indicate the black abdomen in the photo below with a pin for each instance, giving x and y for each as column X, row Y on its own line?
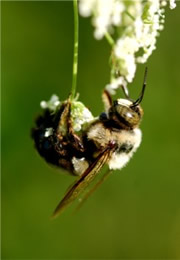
column 56, row 150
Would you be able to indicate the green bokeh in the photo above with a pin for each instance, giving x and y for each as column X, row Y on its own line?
column 136, row 213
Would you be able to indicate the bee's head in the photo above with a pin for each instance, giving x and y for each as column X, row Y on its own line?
column 126, row 113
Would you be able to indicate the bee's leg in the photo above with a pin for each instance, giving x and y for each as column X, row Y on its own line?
column 65, row 128
column 107, row 100
column 62, row 129
column 74, row 138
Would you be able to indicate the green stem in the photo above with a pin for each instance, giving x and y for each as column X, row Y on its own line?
column 75, row 58
column 109, row 39
column 130, row 15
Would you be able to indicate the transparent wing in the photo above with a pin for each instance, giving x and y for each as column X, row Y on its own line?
column 86, row 178
column 93, row 189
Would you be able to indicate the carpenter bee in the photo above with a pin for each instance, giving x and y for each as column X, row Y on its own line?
column 110, row 139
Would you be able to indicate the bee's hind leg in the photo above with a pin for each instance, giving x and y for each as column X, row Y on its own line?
column 63, row 127
column 74, row 138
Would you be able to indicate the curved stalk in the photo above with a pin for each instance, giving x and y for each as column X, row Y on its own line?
column 75, row 54
column 109, row 39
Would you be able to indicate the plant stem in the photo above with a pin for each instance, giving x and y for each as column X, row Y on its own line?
column 109, row 39
column 130, row 15
column 75, row 55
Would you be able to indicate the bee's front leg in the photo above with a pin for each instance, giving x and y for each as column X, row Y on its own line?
column 107, row 100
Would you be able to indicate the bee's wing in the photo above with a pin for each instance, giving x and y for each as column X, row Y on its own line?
column 94, row 188
column 84, row 180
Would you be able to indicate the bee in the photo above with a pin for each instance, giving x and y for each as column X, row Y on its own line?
column 110, row 139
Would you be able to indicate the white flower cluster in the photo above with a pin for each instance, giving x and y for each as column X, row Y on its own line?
column 51, row 104
column 172, row 4
column 80, row 115
column 136, row 25
column 105, row 14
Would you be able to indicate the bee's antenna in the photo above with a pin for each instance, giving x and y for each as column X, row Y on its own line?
column 138, row 101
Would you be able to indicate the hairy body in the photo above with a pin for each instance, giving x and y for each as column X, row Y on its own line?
column 111, row 139
column 76, row 153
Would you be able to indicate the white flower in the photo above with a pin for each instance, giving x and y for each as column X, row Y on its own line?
column 172, row 4
column 80, row 115
column 137, row 25
column 124, row 51
column 126, row 45
column 52, row 104
column 86, row 7
column 48, row 132
column 117, row 10
column 139, row 36
column 105, row 14
column 115, row 84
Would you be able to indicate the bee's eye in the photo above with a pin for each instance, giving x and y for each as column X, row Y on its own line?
column 123, row 113
column 129, row 115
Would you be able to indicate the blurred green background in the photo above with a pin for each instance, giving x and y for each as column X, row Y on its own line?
column 136, row 213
